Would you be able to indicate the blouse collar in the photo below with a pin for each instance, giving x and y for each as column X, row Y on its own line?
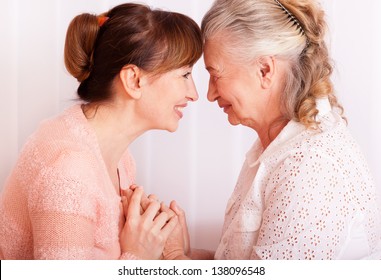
column 292, row 129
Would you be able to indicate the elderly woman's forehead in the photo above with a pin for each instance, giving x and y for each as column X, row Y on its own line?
column 213, row 46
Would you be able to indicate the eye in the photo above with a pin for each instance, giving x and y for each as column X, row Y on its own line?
column 186, row 75
column 214, row 78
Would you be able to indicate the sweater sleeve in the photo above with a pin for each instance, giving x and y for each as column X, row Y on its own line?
column 63, row 208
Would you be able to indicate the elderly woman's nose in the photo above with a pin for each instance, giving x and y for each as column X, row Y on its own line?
column 212, row 92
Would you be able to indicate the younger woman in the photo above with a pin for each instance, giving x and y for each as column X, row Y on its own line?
column 62, row 200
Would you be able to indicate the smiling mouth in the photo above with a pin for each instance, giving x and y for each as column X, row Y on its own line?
column 179, row 110
column 226, row 107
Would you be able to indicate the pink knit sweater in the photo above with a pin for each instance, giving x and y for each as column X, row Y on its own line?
column 59, row 202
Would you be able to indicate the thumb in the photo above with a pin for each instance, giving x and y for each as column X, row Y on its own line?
column 176, row 208
column 125, row 205
column 173, row 205
column 183, row 223
column 180, row 213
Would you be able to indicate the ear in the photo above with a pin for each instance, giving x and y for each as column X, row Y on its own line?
column 130, row 76
column 266, row 70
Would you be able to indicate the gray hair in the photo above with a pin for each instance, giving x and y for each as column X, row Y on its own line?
column 292, row 30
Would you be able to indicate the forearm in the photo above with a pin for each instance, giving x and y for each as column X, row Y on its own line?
column 55, row 237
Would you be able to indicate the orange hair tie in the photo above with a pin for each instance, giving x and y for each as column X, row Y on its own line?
column 102, row 20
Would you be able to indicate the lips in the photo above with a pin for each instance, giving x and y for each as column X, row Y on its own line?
column 179, row 109
column 226, row 107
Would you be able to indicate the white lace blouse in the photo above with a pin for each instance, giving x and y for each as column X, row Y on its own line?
column 309, row 195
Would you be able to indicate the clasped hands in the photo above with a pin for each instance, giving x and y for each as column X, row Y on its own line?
column 152, row 230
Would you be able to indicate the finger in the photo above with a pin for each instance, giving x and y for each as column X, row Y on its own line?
column 127, row 193
column 182, row 221
column 153, row 197
column 180, row 213
column 151, row 211
column 159, row 222
column 166, row 209
column 124, row 191
column 134, row 204
column 144, row 198
column 169, row 227
column 145, row 202
column 150, row 198
column 176, row 208
column 133, row 187
column 125, row 205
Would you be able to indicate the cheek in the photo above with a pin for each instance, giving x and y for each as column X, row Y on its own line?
column 229, row 91
column 191, row 87
column 175, row 89
column 223, row 89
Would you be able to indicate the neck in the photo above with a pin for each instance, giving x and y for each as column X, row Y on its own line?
column 272, row 120
column 268, row 132
column 116, row 127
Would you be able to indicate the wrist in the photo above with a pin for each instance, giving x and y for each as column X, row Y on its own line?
column 175, row 255
column 182, row 257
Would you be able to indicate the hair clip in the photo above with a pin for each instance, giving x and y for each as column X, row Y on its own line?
column 102, row 20
column 291, row 16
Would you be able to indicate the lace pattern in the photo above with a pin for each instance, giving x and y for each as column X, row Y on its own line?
column 309, row 195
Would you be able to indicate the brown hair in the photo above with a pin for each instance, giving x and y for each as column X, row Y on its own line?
column 255, row 28
column 154, row 40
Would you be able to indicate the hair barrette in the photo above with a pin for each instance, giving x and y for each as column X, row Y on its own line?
column 291, row 16
column 102, row 20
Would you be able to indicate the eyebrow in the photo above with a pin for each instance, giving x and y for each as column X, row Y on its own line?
column 210, row 68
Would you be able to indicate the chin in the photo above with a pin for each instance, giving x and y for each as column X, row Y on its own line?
column 233, row 121
column 172, row 128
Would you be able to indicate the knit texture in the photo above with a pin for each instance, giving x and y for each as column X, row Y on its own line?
column 59, row 201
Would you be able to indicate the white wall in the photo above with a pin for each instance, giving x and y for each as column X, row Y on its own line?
column 197, row 165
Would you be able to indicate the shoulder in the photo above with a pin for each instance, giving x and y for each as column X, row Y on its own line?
column 62, row 138
column 69, row 184
column 325, row 157
column 70, row 126
column 59, row 164
column 329, row 142
column 310, row 157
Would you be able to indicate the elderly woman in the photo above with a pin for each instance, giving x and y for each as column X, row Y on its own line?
column 305, row 191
